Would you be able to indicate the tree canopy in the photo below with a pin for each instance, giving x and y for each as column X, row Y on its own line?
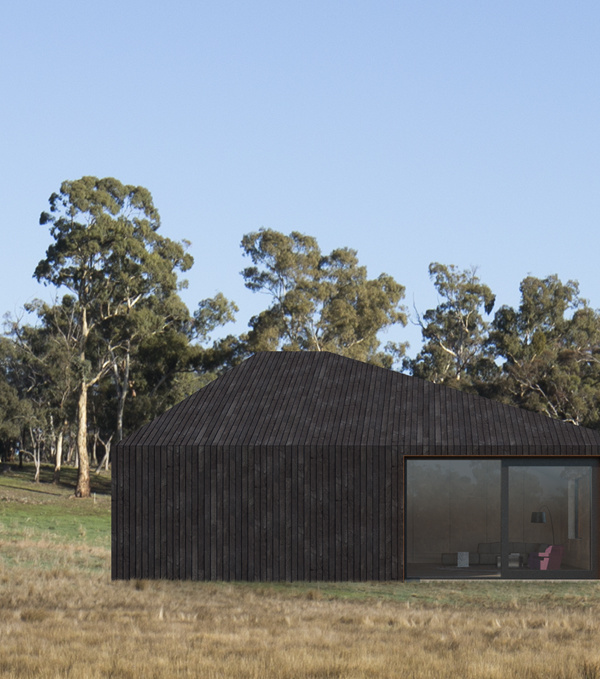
column 108, row 254
column 318, row 302
column 550, row 348
column 454, row 332
column 118, row 346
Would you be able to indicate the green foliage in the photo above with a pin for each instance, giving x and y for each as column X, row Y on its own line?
column 211, row 313
column 455, row 332
column 122, row 337
column 130, row 337
column 107, row 252
column 550, row 346
column 319, row 302
column 15, row 413
column 106, row 248
column 21, row 384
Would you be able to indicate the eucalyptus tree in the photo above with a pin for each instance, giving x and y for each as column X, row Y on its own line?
column 455, row 331
column 48, row 365
column 107, row 253
column 11, row 417
column 174, row 356
column 318, row 302
column 550, row 351
column 155, row 315
column 16, row 412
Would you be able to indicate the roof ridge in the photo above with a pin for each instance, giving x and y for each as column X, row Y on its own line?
column 322, row 398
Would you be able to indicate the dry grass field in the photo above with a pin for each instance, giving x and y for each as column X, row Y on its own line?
column 61, row 616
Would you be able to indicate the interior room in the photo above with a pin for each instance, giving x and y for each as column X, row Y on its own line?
column 491, row 518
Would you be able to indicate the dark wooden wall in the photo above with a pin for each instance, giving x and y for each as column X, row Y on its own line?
column 257, row 513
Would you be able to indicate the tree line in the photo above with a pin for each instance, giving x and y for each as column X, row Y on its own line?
column 118, row 346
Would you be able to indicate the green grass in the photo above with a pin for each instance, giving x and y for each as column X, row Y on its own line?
column 66, row 523
column 451, row 594
column 40, row 523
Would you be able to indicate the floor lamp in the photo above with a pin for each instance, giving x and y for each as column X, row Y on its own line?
column 540, row 517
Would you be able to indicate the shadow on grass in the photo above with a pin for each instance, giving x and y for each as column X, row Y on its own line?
column 31, row 490
column 14, row 474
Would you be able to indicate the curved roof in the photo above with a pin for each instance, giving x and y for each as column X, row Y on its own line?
column 322, row 399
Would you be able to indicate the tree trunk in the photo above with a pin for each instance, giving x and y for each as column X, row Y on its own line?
column 38, row 463
column 122, row 388
column 120, row 410
column 58, row 460
column 95, row 448
column 37, row 455
column 71, row 452
column 106, row 457
column 83, row 473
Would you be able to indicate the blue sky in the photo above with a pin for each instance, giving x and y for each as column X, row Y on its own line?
column 461, row 132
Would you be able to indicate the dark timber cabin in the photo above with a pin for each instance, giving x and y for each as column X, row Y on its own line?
column 311, row 466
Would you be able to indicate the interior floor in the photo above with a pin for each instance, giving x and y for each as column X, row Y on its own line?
column 439, row 572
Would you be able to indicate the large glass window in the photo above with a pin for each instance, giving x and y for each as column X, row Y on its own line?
column 517, row 518
column 549, row 518
column 453, row 518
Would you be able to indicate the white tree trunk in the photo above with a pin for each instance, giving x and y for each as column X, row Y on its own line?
column 83, row 474
column 58, row 459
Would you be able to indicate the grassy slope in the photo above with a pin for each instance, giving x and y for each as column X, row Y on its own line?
column 60, row 615
column 46, row 509
column 43, row 526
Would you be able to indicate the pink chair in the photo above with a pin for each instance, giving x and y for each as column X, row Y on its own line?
column 548, row 560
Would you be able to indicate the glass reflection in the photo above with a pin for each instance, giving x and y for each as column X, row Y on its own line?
column 454, row 518
column 549, row 518
column 453, row 506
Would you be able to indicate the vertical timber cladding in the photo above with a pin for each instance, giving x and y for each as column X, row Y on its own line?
column 292, row 513
column 256, row 513
column 116, row 538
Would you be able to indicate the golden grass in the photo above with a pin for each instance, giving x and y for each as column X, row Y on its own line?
column 70, row 621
